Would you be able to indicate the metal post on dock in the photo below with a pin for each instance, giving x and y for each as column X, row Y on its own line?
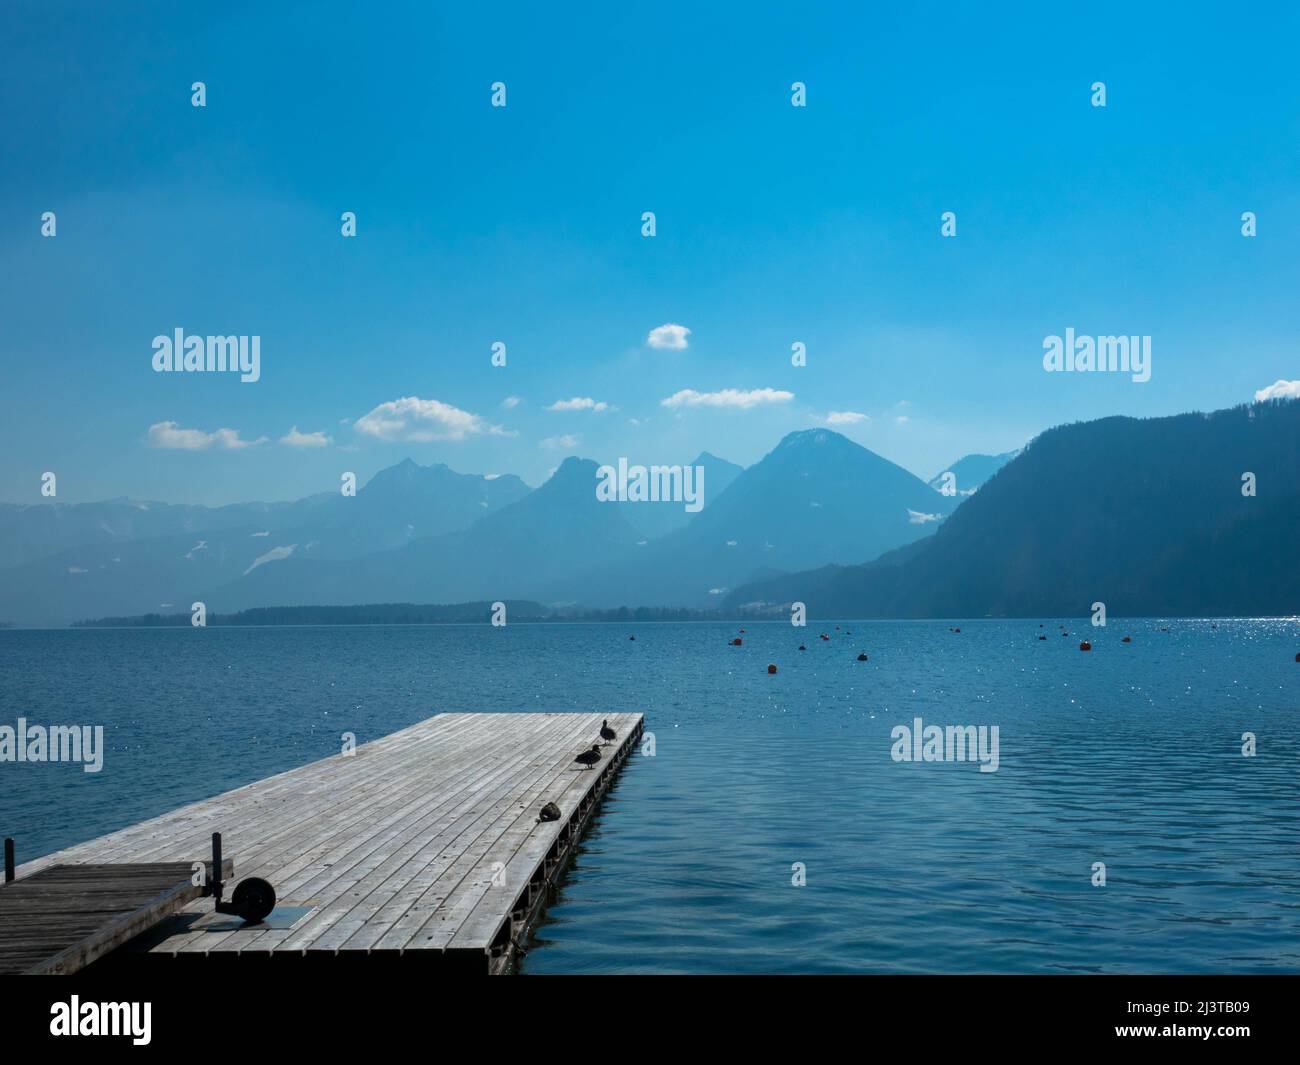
column 9, row 859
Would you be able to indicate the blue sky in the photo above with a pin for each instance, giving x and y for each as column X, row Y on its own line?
column 523, row 224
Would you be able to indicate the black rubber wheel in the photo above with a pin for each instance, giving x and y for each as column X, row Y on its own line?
column 254, row 898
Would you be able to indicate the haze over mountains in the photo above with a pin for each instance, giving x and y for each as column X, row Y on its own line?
column 429, row 534
column 1145, row 515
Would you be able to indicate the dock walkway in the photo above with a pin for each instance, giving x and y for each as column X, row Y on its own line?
column 423, row 845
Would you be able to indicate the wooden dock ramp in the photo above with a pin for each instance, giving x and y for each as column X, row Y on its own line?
column 423, row 846
column 65, row 917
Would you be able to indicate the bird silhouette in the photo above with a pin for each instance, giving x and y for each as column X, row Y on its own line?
column 606, row 733
column 589, row 758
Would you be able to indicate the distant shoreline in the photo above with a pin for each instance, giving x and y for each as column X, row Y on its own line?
column 525, row 612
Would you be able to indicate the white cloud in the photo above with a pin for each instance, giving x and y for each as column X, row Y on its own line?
column 901, row 420
column 845, row 417
column 171, row 436
column 1279, row 390
column 420, row 420
column 274, row 555
column 578, row 403
column 916, row 517
column 565, row 442
column 668, row 337
column 296, row 439
column 727, row 397
column 511, row 402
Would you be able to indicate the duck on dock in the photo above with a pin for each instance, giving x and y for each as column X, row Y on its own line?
column 589, row 758
column 606, row 733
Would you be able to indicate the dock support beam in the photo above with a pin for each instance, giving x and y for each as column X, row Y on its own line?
column 9, row 859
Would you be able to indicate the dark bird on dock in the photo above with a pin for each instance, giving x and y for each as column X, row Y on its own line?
column 606, row 733
column 550, row 812
column 589, row 758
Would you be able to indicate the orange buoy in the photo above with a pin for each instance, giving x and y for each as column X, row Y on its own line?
column 736, row 642
column 771, row 668
column 1127, row 639
column 1085, row 646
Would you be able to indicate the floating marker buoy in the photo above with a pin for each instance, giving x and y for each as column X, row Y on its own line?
column 631, row 637
column 1127, row 639
column 862, row 657
column 825, row 637
column 1042, row 637
column 771, row 668
column 803, row 648
column 736, row 642
column 1085, row 646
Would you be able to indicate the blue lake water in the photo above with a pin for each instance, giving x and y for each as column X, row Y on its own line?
column 1129, row 755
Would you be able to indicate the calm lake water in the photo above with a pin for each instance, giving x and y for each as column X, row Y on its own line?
column 1129, row 755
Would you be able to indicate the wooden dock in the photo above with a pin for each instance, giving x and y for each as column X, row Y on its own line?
column 424, row 845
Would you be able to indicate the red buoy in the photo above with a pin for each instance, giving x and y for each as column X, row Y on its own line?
column 1085, row 646
column 771, row 668
column 736, row 642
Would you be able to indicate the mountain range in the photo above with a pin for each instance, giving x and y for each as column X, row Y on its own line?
column 429, row 534
column 1148, row 516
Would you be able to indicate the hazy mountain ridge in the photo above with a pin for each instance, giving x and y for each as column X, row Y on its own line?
column 972, row 471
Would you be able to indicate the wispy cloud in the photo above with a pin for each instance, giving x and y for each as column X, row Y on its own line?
column 668, row 337
column 511, row 402
column 845, row 417
column 1279, row 390
column 293, row 438
column 578, row 403
column 171, row 436
column 420, row 420
column 733, row 398
column 563, row 443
